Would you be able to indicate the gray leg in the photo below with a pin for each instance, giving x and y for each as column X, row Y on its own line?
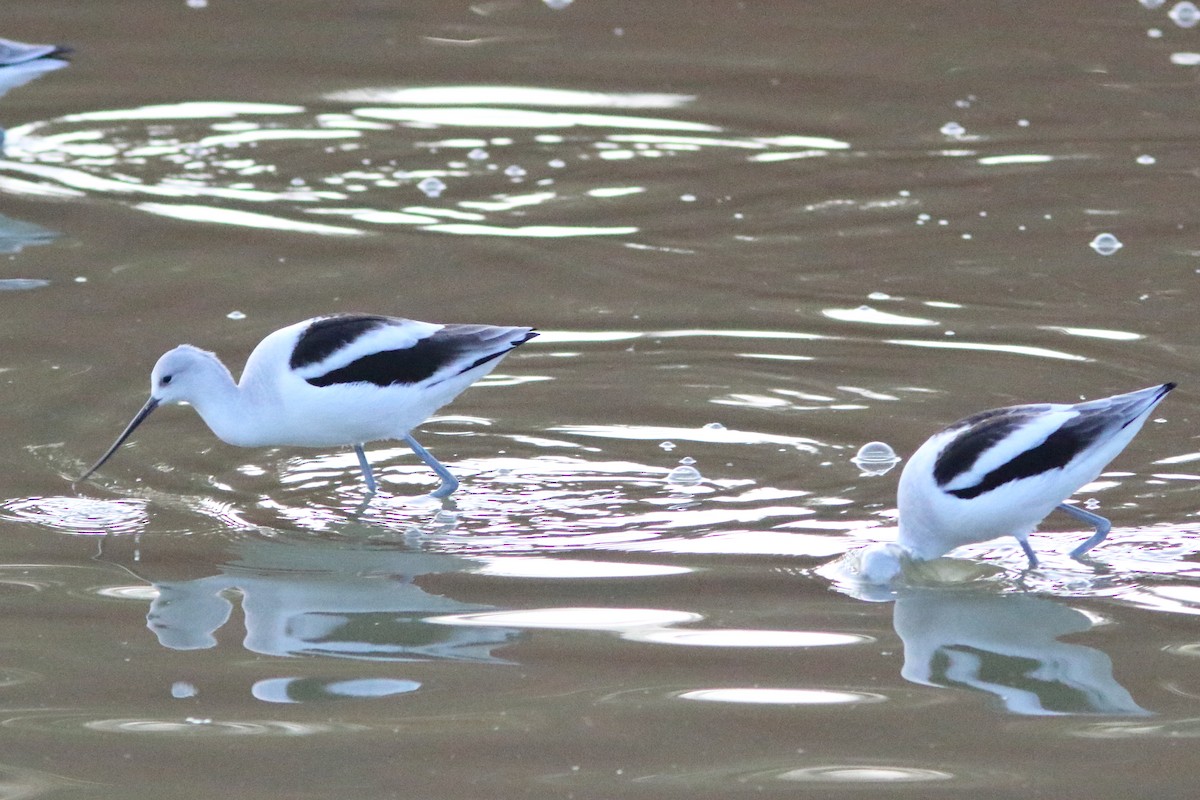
column 449, row 482
column 1033, row 562
column 1101, row 525
column 365, row 466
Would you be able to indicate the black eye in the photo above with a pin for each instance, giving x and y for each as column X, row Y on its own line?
column 165, row 380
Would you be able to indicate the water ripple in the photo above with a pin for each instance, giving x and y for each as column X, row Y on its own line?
column 78, row 515
column 499, row 158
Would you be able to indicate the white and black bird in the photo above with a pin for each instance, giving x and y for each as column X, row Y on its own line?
column 1001, row 472
column 346, row 379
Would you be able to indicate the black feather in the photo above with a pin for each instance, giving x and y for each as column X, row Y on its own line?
column 1075, row 436
column 421, row 361
column 327, row 335
column 979, row 432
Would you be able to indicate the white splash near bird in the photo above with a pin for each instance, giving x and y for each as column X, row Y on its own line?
column 346, row 379
column 1001, row 472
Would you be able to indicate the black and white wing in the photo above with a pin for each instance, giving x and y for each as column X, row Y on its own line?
column 1009, row 444
column 388, row 351
column 996, row 447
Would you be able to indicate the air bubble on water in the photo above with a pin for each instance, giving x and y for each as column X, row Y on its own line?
column 1106, row 244
column 236, row 315
column 687, row 461
column 952, row 129
column 667, row 446
column 1022, row 123
column 478, row 154
column 1184, row 14
column 183, row 689
column 432, row 187
column 1091, row 504
column 443, row 521
column 684, row 475
column 1152, row 4
column 1154, row 33
column 197, row 3
column 557, row 5
column 688, row 198
column 714, row 426
column 1146, row 159
column 556, row 163
column 514, row 171
column 875, row 458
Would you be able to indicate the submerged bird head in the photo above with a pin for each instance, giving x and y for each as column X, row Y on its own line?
column 183, row 375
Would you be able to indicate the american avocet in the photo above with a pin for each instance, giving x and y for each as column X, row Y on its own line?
column 1001, row 472
column 339, row 380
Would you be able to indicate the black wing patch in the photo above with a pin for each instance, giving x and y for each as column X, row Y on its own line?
column 1055, row 452
column 422, row 360
column 329, row 334
column 979, row 432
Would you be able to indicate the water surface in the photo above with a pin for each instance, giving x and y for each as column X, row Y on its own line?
column 754, row 237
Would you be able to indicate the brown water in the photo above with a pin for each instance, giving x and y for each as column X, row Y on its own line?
column 751, row 244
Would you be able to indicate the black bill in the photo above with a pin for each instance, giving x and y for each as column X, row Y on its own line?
column 151, row 404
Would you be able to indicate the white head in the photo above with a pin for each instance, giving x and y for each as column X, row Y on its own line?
column 184, row 375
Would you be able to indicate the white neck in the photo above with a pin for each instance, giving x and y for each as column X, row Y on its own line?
column 223, row 407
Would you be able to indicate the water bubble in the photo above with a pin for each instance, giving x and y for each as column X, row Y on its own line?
column 478, row 154
column 1106, row 244
column 1154, row 33
column 952, row 129
column 687, row 461
column 1152, row 4
column 556, row 163
column 668, row 446
column 684, row 475
column 197, row 3
column 714, row 426
column 432, row 187
column 236, row 315
column 515, row 171
column 1184, row 14
column 875, row 458
column 557, row 5
column 688, row 198
column 1146, row 159
column 1022, row 123
column 183, row 689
